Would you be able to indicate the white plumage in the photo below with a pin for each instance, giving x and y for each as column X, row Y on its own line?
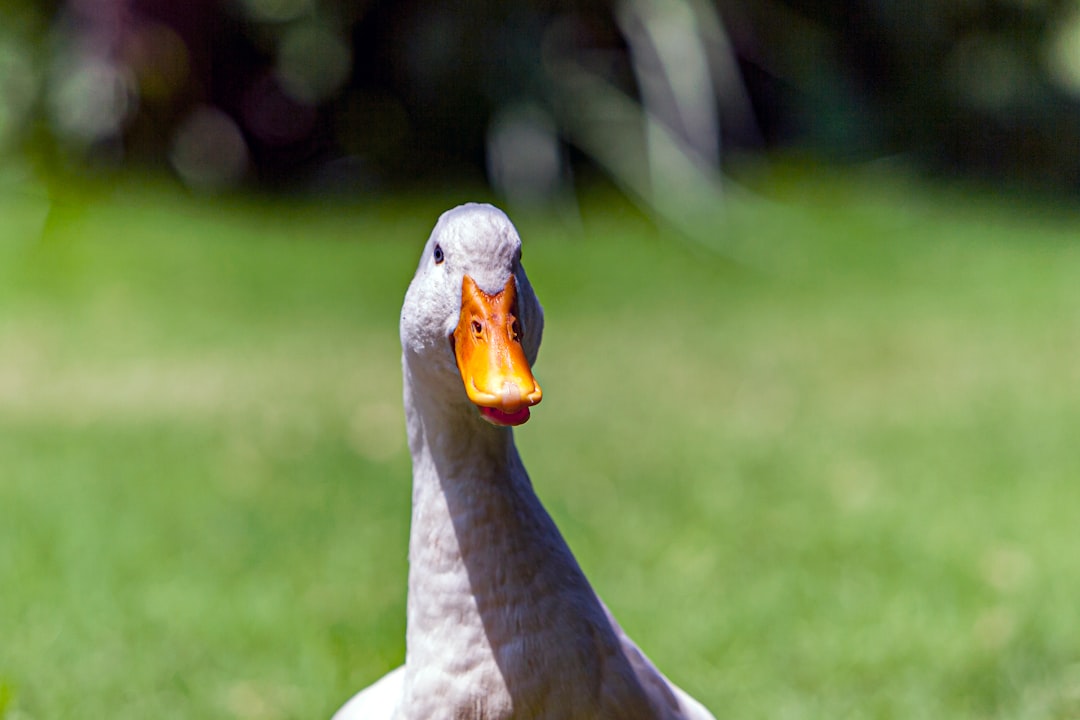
column 501, row 621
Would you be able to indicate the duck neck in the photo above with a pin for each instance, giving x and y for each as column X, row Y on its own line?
column 497, row 603
column 478, row 529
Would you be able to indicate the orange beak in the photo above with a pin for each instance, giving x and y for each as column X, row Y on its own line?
column 487, row 344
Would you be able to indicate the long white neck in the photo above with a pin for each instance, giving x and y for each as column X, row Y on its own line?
column 501, row 619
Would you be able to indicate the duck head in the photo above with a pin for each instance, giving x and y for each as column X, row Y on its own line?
column 471, row 324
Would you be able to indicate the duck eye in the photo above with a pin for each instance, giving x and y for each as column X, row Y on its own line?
column 515, row 330
column 439, row 256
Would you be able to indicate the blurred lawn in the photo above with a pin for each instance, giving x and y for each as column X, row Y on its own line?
column 839, row 482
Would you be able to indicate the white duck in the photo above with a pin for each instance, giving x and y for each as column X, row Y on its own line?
column 501, row 621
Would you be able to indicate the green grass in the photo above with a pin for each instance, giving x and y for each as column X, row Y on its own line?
column 838, row 481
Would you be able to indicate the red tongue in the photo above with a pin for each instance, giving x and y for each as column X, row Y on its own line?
column 498, row 417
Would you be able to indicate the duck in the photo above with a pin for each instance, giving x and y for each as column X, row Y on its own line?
column 501, row 621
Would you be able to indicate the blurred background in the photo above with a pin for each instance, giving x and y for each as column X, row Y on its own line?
column 325, row 96
column 812, row 397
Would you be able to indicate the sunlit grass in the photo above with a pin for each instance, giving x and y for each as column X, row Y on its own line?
column 838, row 481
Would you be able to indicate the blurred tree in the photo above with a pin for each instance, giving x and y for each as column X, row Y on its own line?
column 356, row 96
column 960, row 86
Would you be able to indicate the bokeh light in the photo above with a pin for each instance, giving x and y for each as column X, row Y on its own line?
column 1063, row 53
column 159, row 59
column 91, row 97
column 525, row 162
column 313, row 63
column 208, row 150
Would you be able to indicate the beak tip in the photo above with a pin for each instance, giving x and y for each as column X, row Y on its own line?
column 513, row 398
column 511, row 395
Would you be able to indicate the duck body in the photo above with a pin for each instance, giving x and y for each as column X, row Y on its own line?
column 501, row 620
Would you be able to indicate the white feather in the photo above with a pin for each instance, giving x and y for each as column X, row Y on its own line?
column 501, row 621
column 377, row 701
